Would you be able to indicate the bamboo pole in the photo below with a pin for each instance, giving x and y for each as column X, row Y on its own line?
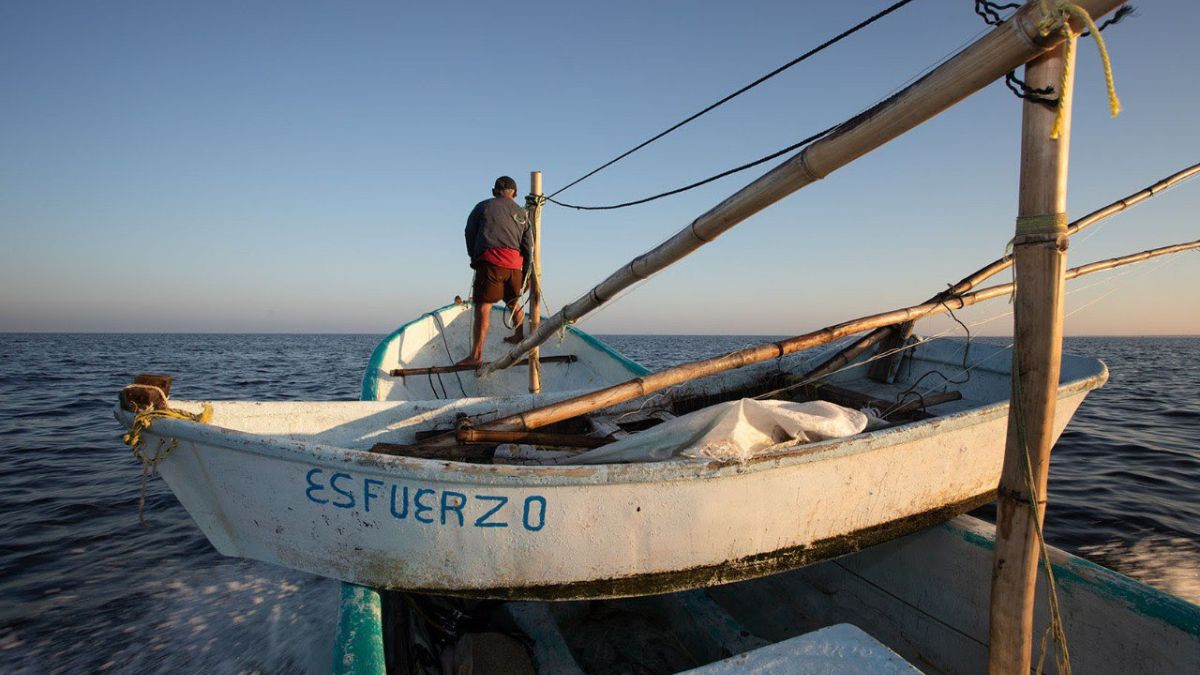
column 1039, row 252
column 845, row 356
column 647, row 384
column 535, row 282
column 531, row 438
column 1009, row 45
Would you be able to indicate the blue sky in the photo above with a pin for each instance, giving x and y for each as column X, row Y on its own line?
column 308, row 166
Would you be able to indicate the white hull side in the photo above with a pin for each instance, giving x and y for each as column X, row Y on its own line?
column 568, row 531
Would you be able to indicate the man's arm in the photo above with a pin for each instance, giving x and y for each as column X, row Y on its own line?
column 473, row 222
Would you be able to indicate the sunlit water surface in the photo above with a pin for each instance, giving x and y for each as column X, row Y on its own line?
column 85, row 587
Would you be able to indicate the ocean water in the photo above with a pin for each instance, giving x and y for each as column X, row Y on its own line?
column 84, row 587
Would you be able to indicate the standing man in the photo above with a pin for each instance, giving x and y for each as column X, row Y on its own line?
column 499, row 241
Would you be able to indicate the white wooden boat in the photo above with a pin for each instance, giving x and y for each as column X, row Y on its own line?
column 297, row 483
column 318, row 486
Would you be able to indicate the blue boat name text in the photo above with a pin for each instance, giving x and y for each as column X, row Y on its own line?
column 425, row 505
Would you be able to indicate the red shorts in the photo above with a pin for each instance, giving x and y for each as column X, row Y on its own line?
column 495, row 283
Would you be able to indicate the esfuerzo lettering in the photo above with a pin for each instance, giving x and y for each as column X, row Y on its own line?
column 423, row 505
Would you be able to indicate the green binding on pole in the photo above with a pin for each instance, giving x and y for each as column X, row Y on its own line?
column 358, row 647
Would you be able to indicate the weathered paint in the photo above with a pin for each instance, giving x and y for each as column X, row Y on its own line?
column 927, row 597
column 1071, row 571
column 567, row 531
column 443, row 336
column 358, row 647
column 729, row 571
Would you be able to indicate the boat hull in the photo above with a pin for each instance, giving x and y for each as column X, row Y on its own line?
column 571, row 532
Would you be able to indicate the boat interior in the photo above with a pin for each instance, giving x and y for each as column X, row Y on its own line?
column 923, row 379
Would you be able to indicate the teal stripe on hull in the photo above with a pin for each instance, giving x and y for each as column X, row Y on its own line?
column 1141, row 598
column 370, row 384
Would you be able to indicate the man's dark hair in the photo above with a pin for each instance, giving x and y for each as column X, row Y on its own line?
column 504, row 183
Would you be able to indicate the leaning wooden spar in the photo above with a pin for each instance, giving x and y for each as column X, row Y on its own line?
column 677, row 375
column 1009, row 45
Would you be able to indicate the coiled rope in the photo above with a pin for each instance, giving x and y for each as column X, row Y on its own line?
column 141, row 424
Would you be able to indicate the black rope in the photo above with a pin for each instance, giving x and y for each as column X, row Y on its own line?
column 1122, row 13
column 698, row 183
column 990, row 11
column 442, row 331
column 1033, row 94
column 948, row 380
column 824, row 45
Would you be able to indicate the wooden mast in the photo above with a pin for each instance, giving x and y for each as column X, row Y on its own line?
column 1004, row 48
column 535, row 280
column 1039, row 251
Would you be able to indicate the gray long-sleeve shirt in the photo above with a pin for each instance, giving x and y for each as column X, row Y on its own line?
column 498, row 223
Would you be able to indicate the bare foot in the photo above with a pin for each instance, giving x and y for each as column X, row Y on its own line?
column 514, row 338
column 470, row 362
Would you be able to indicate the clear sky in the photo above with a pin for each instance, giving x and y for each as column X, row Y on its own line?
column 308, row 166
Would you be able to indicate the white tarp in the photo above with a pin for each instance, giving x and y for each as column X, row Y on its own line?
column 736, row 430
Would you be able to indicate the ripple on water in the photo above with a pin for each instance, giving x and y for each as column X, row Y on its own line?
column 84, row 587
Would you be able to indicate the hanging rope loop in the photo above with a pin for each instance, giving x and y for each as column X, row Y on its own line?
column 1057, row 17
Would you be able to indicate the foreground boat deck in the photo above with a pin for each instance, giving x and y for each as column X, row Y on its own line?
column 924, row 596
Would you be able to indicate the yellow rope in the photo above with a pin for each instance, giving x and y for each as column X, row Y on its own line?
column 1062, row 11
column 1055, row 629
column 133, row 438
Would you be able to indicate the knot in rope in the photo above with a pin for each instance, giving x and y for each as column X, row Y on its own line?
column 562, row 326
column 532, row 201
column 1057, row 17
column 143, row 420
column 133, row 438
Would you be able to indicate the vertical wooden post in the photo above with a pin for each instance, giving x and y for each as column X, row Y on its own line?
column 1040, row 260
column 535, row 282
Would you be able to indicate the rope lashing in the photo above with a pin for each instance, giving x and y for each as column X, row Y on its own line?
column 1050, row 223
column 990, row 11
column 1057, row 17
column 133, row 438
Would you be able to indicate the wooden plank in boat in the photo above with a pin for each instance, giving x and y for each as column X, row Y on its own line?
column 458, row 453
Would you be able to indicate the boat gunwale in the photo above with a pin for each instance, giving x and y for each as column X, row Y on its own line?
column 372, row 377
column 675, row 469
